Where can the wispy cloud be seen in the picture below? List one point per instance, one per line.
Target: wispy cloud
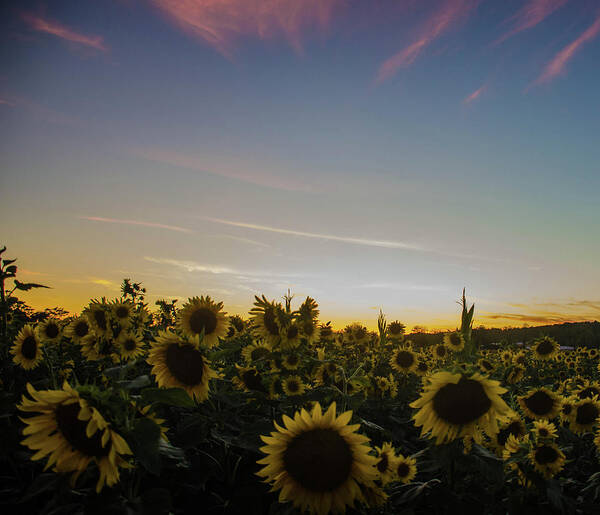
(530, 15)
(241, 171)
(475, 95)
(557, 66)
(402, 286)
(135, 222)
(56, 29)
(222, 22)
(193, 266)
(243, 240)
(330, 237)
(543, 318)
(439, 22)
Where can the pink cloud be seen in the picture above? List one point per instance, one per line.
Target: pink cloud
(221, 22)
(557, 65)
(233, 168)
(439, 22)
(475, 95)
(530, 15)
(58, 30)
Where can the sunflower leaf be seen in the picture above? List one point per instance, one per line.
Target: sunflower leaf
(171, 396)
(144, 441)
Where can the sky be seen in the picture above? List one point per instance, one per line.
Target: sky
(371, 154)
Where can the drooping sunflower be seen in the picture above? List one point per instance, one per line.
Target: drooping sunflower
(317, 461)
(545, 349)
(405, 468)
(543, 430)
(177, 363)
(78, 329)
(515, 374)
(130, 344)
(386, 456)
(540, 403)
(403, 360)
(73, 434)
(547, 459)
(27, 348)
(293, 385)
(290, 335)
(202, 317)
(97, 314)
(256, 351)
(264, 317)
(249, 379)
(584, 415)
(455, 341)
(457, 405)
(236, 326)
(307, 320)
(122, 311)
(485, 365)
(49, 330)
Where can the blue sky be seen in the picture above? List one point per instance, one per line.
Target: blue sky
(371, 155)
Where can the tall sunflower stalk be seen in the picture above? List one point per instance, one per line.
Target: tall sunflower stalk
(466, 328)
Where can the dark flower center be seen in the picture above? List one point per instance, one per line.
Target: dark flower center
(405, 359)
(540, 403)
(514, 428)
(422, 366)
(203, 319)
(320, 460)
(360, 333)
(455, 340)
(461, 403)
(292, 331)
(252, 380)
(73, 430)
(185, 363)
(130, 344)
(545, 454)
(403, 470)
(543, 432)
(122, 312)
(293, 386)
(308, 328)
(326, 331)
(106, 348)
(588, 393)
(29, 347)
(258, 353)
(52, 330)
(566, 409)
(238, 323)
(396, 328)
(586, 413)
(383, 463)
(100, 318)
(441, 351)
(545, 347)
(486, 364)
(81, 328)
(292, 360)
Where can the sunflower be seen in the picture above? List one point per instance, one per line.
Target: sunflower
(291, 361)
(514, 426)
(540, 403)
(542, 429)
(88, 348)
(456, 405)
(293, 385)
(405, 468)
(403, 360)
(318, 461)
(385, 463)
(27, 348)
(546, 348)
(485, 365)
(308, 314)
(131, 344)
(323, 377)
(97, 315)
(49, 330)
(255, 352)
(290, 335)
(73, 434)
(588, 391)
(592, 353)
(547, 459)
(441, 351)
(515, 375)
(177, 363)
(395, 330)
(236, 326)
(422, 367)
(372, 496)
(455, 341)
(326, 334)
(249, 379)
(202, 318)
(122, 310)
(264, 319)
(566, 408)
(78, 329)
(584, 415)
(520, 359)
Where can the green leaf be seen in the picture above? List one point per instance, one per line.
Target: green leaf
(138, 382)
(145, 439)
(6, 262)
(171, 396)
(27, 286)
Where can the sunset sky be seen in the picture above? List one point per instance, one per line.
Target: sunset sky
(370, 154)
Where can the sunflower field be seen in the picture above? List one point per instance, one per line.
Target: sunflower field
(186, 409)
